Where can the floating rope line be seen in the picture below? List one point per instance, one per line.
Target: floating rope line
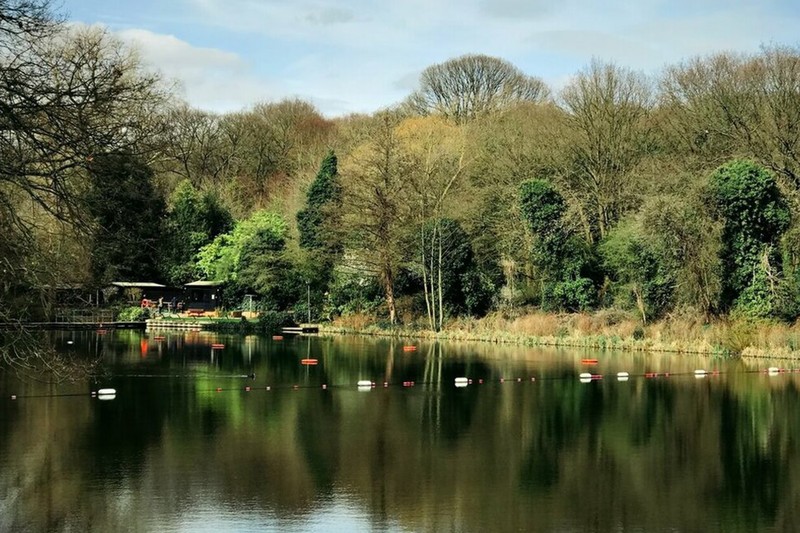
(460, 382)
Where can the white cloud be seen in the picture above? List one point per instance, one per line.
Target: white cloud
(360, 55)
(212, 79)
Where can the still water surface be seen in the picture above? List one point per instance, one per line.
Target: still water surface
(172, 453)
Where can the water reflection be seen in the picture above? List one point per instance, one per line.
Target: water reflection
(509, 454)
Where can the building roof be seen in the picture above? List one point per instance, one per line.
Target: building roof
(204, 284)
(137, 285)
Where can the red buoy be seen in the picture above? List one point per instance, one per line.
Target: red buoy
(217, 346)
(409, 348)
(588, 361)
(308, 361)
(277, 337)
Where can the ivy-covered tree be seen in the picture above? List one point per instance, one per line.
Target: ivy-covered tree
(128, 214)
(193, 220)
(563, 260)
(754, 214)
(640, 266)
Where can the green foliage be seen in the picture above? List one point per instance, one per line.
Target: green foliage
(220, 259)
(543, 207)
(686, 244)
(564, 261)
(193, 221)
(746, 198)
(478, 290)
(265, 270)
(252, 259)
(352, 293)
(128, 213)
(134, 314)
(322, 202)
(640, 265)
(272, 321)
(575, 294)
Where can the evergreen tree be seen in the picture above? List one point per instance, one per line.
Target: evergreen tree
(318, 225)
(322, 202)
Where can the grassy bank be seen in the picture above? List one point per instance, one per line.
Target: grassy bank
(606, 330)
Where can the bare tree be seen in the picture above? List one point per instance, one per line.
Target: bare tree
(747, 104)
(67, 95)
(607, 106)
(375, 210)
(469, 86)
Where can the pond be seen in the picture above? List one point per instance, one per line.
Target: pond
(246, 438)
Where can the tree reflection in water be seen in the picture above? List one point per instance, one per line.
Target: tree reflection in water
(554, 454)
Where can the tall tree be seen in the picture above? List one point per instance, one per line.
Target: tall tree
(67, 96)
(318, 224)
(563, 260)
(437, 152)
(754, 213)
(606, 107)
(727, 104)
(193, 220)
(470, 86)
(375, 209)
(128, 215)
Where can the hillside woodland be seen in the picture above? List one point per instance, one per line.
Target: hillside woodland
(484, 192)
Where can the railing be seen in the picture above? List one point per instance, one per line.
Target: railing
(95, 316)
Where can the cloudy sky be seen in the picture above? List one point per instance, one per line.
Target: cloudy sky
(360, 55)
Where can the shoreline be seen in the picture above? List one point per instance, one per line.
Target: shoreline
(722, 338)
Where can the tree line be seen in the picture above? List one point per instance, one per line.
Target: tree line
(483, 190)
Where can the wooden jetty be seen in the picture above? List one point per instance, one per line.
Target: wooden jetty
(181, 325)
(301, 329)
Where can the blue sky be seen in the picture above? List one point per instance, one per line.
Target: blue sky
(361, 55)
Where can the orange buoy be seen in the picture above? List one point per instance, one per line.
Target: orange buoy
(588, 361)
(308, 361)
(217, 346)
(410, 348)
(277, 337)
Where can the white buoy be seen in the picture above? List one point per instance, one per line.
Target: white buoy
(365, 385)
(106, 391)
(69, 342)
(773, 371)
(462, 382)
(586, 380)
(700, 373)
(585, 375)
(105, 397)
(622, 376)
